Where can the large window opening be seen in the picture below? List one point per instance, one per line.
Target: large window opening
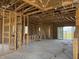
(66, 33)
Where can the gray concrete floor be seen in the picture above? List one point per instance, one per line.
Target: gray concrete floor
(39, 50)
(4, 49)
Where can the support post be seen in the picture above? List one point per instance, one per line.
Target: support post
(15, 39)
(76, 40)
(20, 33)
(9, 29)
(24, 40)
(3, 29)
(27, 30)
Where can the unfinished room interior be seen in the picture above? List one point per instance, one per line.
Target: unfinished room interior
(39, 29)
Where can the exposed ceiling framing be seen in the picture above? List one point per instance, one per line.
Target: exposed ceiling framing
(47, 10)
(60, 15)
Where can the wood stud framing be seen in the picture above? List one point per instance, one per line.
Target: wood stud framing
(3, 30)
(20, 6)
(19, 30)
(27, 9)
(8, 17)
(15, 39)
(76, 37)
(24, 29)
(9, 29)
(15, 14)
(28, 40)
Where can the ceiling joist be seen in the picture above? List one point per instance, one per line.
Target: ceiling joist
(47, 3)
(32, 3)
(19, 7)
(73, 19)
(67, 18)
(28, 9)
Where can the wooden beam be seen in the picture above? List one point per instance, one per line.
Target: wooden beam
(11, 4)
(66, 2)
(49, 8)
(42, 3)
(20, 6)
(47, 3)
(27, 9)
(68, 19)
(33, 3)
(33, 12)
(73, 19)
(40, 11)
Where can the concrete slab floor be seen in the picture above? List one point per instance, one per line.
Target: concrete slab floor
(45, 49)
(4, 49)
